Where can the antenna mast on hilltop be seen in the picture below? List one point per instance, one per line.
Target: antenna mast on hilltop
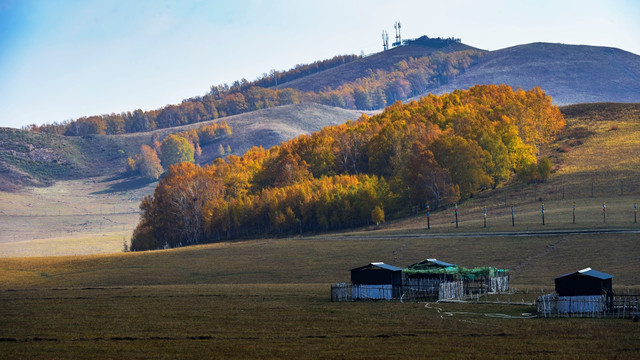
(397, 26)
(385, 40)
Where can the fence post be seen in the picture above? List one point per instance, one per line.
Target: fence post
(456, 212)
(485, 215)
(428, 222)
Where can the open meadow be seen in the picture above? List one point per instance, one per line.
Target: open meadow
(72, 217)
(271, 299)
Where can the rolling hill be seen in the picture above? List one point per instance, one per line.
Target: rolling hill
(334, 77)
(38, 159)
(571, 74)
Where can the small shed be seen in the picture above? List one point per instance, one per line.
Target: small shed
(583, 283)
(376, 273)
(376, 280)
(585, 291)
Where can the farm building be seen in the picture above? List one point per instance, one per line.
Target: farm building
(585, 282)
(447, 281)
(585, 291)
(376, 280)
(428, 280)
(433, 279)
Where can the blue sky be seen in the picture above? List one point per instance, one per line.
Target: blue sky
(62, 59)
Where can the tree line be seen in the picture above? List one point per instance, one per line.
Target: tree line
(437, 151)
(374, 91)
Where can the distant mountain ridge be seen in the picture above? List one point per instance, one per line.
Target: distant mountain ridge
(571, 74)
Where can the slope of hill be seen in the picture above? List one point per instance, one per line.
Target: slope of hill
(334, 77)
(571, 74)
(38, 159)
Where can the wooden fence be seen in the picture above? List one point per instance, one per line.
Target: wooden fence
(615, 306)
(341, 292)
(441, 291)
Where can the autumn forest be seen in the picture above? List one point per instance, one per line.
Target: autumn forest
(437, 151)
(408, 77)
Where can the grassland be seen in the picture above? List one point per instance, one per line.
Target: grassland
(269, 298)
(286, 321)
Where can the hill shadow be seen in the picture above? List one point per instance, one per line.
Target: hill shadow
(127, 184)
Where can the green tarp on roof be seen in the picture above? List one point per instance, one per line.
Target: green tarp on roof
(455, 271)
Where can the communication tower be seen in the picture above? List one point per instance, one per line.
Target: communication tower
(397, 26)
(385, 40)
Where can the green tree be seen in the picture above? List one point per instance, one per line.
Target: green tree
(176, 149)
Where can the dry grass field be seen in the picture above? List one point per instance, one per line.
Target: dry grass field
(286, 321)
(271, 299)
(73, 217)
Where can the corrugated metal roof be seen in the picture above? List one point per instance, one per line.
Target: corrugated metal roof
(440, 263)
(589, 272)
(386, 266)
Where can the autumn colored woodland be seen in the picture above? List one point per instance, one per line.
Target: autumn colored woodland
(437, 151)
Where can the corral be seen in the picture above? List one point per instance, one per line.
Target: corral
(428, 280)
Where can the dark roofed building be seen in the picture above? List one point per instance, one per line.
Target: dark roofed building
(377, 273)
(376, 281)
(585, 291)
(584, 282)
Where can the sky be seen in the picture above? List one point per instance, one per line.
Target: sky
(63, 59)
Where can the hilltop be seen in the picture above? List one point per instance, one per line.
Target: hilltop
(385, 60)
(571, 74)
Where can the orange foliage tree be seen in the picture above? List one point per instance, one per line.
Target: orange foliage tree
(436, 151)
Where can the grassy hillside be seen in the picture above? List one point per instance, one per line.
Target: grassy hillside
(571, 74)
(40, 159)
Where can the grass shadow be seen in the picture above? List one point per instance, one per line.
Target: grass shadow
(127, 184)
